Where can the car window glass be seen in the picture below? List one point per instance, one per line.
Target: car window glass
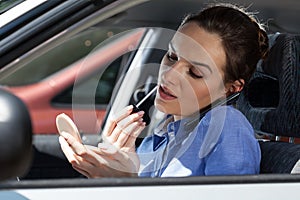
(7, 4)
(104, 81)
(58, 58)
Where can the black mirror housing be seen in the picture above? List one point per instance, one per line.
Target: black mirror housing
(15, 136)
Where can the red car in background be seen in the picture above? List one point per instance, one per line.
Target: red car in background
(63, 79)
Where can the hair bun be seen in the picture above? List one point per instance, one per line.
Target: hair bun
(263, 43)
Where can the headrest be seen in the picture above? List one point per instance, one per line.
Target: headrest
(271, 101)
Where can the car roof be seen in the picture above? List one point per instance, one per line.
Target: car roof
(277, 15)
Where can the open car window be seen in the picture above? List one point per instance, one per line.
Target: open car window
(128, 76)
(58, 57)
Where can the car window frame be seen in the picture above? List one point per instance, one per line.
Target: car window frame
(202, 181)
(17, 9)
(12, 53)
(59, 20)
(208, 187)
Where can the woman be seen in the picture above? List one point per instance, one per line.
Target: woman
(211, 57)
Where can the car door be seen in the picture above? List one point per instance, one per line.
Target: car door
(81, 57)
(68, 183)
(39, 21)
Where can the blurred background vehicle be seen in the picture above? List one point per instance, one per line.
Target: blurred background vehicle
(46, 83)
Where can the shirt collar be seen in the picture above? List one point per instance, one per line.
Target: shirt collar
(183, 127)
(180, 129)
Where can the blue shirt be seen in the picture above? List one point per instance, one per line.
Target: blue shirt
(221, 143)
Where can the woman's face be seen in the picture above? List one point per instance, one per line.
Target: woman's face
(191, 73)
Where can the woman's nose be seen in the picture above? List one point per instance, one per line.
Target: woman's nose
(173, 73)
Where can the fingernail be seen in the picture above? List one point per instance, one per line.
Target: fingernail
(102, 146)
(130, 107)
(61, 140)
(141, 113)
(64, 134)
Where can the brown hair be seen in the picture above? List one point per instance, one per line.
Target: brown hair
(243, 38)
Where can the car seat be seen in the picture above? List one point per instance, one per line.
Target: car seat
(271, 102)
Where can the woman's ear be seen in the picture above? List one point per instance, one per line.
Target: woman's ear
(236, 86)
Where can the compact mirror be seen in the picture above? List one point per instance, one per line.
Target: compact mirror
(65, 124)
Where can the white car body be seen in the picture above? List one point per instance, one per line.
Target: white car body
(262, 186)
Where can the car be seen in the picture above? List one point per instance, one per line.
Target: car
(49, 175)
(45, 82)
(45, 85)
(49, 79)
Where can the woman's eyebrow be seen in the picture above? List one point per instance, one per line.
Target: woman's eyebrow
(192, 62)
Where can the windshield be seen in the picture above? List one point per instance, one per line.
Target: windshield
(58, 57)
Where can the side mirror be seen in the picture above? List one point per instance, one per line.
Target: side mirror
(15, 136)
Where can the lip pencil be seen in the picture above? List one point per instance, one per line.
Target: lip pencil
(146, 97)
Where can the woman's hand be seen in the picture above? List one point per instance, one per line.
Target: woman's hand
(115, 157)
(102, 161)
(123, 129)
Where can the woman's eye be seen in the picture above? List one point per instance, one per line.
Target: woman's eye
(172, 57)
(195, 74)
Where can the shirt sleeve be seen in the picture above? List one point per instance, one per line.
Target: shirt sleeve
(237, 151)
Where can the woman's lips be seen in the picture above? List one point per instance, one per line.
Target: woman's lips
(165, 93)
